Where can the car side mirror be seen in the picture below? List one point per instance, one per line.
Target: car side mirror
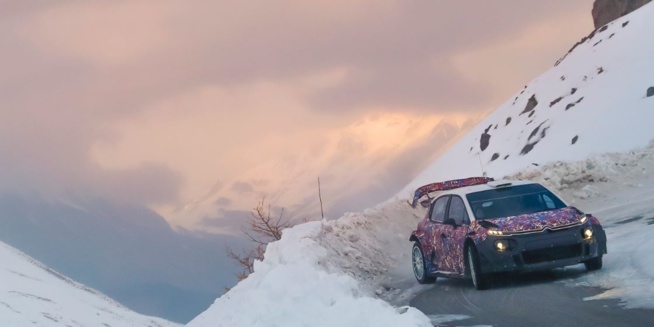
(425, 203)
(449, 221)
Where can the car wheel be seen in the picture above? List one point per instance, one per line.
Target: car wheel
(594, 263)
(479, 280)
(419, 267)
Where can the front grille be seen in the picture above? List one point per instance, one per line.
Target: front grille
(546, 229)
(551, 254)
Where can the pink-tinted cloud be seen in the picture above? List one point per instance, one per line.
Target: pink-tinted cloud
(168, 99)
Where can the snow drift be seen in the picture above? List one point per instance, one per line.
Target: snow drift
(326, 273)
(594, 101)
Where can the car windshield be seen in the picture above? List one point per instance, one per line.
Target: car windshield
(512, 201)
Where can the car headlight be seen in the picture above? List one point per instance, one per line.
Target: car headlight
(583, 219)
(501, 245)
(494, 232)
(587, 233)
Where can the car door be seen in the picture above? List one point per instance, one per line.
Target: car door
(453, 236)
(436, 217)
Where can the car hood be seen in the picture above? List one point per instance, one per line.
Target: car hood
(552, 219)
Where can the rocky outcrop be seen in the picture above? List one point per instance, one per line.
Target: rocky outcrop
(531, 105)
(606, 11)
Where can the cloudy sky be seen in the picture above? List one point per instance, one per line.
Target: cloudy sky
(199, 109)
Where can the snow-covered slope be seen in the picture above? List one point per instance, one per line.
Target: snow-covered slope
(593, 101)
(32, 294)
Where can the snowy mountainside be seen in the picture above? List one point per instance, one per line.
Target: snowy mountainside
(32, 294)
(594, 100)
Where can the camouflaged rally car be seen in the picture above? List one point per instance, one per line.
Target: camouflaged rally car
(478, 226)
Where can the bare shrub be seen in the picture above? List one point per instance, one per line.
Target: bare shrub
(262, 228)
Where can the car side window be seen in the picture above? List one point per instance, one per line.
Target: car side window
(458, 211)
(438, 210)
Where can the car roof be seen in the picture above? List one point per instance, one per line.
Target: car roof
(462, 191)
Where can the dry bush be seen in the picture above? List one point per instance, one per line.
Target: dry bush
(262, 228)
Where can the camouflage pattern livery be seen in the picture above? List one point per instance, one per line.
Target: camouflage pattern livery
(447, 185)
(541, 240)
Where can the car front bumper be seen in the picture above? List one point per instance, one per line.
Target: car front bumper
(541, 250)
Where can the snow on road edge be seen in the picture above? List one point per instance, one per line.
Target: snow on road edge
(321, 274)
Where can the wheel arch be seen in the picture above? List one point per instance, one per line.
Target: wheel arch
(414, 238)
(427, 277)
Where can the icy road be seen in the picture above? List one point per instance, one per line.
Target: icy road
(539, 299)
(620, 294)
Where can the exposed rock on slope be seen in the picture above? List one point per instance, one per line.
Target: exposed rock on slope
(606, 11)
(600, 105)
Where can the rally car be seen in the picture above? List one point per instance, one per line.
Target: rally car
(477, 226)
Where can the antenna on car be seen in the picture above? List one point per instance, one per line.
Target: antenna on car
(483, 172)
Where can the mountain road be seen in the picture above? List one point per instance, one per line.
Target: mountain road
(535, 299)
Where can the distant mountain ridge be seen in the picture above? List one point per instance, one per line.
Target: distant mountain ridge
(128, 252)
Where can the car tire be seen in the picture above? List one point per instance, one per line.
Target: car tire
(479, 279)
(594, 263)
(418, 265)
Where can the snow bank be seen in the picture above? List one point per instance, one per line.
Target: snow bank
(579, 180)
(325, 274)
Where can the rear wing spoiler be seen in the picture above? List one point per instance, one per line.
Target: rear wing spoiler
(447, 185)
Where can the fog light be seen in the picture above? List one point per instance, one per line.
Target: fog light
(587, 233)
(501, 245)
